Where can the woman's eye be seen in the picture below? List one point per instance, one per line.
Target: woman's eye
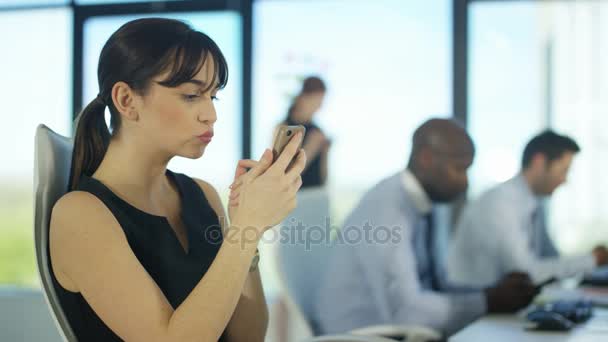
(214, 98)
(191, 97)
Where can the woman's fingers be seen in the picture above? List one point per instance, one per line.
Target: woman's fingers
(280, 165)
(234, 195)
(261, 166)
(236, 185)
(248, 168)
(241, 168)
(296, 184)
(298, 167)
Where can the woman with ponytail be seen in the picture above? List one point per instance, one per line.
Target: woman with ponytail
(140, 253)
(316, 144)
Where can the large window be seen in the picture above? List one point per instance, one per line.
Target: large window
(218, 163)
(578, 33)
(99, 2)
(506, 87)
(535, 65)
(28, 3)
(387, 65)
(36, 86)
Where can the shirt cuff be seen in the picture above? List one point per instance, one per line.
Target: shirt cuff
(466, 308)
(478, 300)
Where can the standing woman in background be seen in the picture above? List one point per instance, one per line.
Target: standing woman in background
(316, 144)
(140, 253)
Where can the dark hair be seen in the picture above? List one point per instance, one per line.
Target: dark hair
(136, 53)
(549, 144)
(310, 85)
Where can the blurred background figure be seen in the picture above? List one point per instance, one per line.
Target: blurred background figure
(393, 275)
(313, 199)
(316, 143)
(505, 229)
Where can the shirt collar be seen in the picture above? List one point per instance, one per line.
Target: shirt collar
(530, 200)
(416, 192)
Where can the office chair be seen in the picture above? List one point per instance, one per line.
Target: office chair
(301, 266)
(53, 155)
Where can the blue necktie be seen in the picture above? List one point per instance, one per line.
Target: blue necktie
(430, 251)
(541, 243)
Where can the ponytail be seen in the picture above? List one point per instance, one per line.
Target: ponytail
(90, 141)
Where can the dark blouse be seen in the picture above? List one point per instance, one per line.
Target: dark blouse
(311, 177)
(157, 248)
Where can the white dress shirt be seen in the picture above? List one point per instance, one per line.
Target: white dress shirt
(389, 282)
(416, 193)
(502, 231)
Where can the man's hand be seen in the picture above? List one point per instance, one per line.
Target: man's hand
(601, 255)
(514, 292)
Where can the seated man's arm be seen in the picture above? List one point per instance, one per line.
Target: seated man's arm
(390, 270)
(516, 254)
(411, 304)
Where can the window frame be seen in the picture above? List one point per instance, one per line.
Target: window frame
(82, 13)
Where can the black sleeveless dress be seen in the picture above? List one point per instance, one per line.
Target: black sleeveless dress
(156, 247)
(311, 177)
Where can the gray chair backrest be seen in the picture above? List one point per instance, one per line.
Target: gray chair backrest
(301, 262)
(53, 155)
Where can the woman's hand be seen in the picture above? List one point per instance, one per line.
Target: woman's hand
(263, 196)
(241, 168)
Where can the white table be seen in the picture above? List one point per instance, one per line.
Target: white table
(513, 327)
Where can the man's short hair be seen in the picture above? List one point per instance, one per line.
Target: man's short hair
(551, 145)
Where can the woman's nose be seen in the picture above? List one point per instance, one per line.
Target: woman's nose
(207, 115)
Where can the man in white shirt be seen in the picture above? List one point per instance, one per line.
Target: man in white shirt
(398, 280)
(504, 230)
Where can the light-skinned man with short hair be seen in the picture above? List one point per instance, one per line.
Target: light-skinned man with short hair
(400, 281)
(505, 229)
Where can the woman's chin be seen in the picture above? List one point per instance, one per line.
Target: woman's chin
(193, 154)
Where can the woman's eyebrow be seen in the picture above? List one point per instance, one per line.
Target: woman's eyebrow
(203, 85)
(199, 83)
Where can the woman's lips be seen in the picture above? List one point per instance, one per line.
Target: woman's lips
(206, 138)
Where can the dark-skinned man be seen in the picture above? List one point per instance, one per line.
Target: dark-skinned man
(398, 280)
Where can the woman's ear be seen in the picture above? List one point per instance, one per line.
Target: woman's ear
(125, 100)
